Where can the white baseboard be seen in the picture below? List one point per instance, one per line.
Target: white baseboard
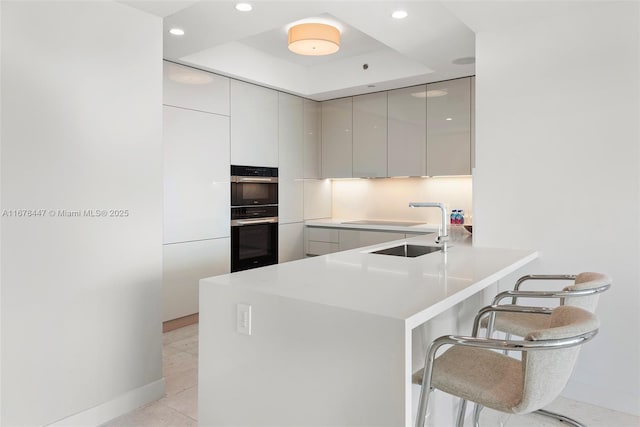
(121, 405)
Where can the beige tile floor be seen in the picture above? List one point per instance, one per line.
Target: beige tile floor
(179, 408)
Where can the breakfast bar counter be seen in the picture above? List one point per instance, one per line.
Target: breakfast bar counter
(333, 340)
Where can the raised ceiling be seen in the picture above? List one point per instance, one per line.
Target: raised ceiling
(252, 46)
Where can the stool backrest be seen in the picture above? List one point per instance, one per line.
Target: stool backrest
(546, 372)
(587, 280)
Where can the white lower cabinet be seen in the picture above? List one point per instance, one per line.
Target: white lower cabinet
(321, 241)
(184, 264)
(351, 239)
(290, 242)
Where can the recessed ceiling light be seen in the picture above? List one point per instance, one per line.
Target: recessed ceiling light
(448, 119)
(244, 7)
(399, 14)
(177, 31)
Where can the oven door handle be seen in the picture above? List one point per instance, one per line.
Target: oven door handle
(241, 222)
(256, 179)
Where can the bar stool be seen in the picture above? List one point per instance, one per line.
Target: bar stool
(584, 293)
(471, 370)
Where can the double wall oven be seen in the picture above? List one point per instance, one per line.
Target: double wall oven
(254, 217)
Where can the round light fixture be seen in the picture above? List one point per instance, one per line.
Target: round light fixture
(176, 31)
(399, 14)
(244, 7)
(314, 39)
(448, 119)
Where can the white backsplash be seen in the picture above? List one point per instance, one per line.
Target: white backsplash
(389, 198)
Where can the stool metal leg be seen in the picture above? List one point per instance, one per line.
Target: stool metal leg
(476, 414)
(462, 409)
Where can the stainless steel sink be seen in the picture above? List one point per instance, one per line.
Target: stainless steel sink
(408, 251)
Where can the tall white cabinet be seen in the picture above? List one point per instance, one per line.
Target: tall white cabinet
(291, 158)
(254, 125)
(407, 131)
(196, 184)
(449, 128)
(291, 149)
(337, 138)
(312, 129)
(370, 135)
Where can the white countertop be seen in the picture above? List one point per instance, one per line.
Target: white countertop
(410, 289)
(380, 225)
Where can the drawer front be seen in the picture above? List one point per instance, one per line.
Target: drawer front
(322, 248)
(323, 234)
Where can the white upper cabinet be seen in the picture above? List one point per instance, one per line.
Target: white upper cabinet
(337, 142)
(449, 128)
(189, 88)
(254, 125)
(312, 139)
(370, 135)
(196, 175)
(407, 131)
(291, 158)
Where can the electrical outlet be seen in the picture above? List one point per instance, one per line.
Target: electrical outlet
(243, 319)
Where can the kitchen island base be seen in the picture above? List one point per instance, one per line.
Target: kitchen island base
(325, 352)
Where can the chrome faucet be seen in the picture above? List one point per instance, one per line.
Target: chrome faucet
(443, 237)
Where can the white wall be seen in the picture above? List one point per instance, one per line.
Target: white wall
(82, 122)
(557, 169)
(389, 198)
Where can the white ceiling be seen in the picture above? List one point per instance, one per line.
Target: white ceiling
(252, 46)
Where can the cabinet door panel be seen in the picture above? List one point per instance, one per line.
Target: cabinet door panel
(449, 128)
(196, 175)
(312, 139)
(370, 135)
(291, 158)
(254, 125)
(337, 142)
(407, 127)
(195, 89)
(290, 242)
(184, 264)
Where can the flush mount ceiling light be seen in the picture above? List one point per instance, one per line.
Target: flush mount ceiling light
(399, 14)
(244, 7)
(314, 39)
(176, 31)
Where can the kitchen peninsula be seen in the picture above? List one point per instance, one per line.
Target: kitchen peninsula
(332, 340)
